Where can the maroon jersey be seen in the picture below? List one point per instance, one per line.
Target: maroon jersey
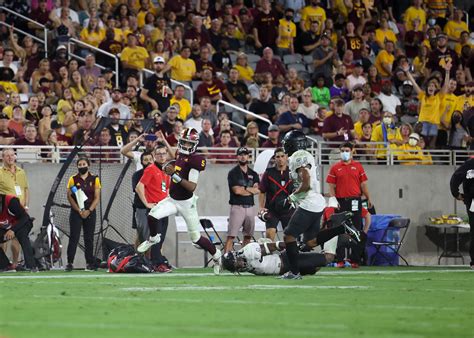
(183, 165)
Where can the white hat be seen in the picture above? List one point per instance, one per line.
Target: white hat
(158, 59)
(415, 136)
(332, 202)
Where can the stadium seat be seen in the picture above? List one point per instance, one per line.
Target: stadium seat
(308, 59)
(292, 58)
(195, 84)
(392, 243)
(253, 58)
(298, 66)
(233, 58)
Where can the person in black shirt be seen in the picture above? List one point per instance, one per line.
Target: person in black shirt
(465, 175)
(263, 107)
(237, 88)
(441, 56)
(117, 131)
(275, 187)
(221, 59)
(243, 185)
(157, 89)
(309, 40)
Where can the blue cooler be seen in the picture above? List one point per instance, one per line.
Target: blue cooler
(376, 231)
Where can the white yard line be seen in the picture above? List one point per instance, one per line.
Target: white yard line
(231, 288)
(205, 274)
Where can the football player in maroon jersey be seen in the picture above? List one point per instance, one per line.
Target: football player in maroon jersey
(184, 174)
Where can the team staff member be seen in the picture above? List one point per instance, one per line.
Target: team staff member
(465, 175)
(86, 218)
(275, 187)
(243, 185)
(13, 181)
(15, 223)
(348, 182)
(153, 188)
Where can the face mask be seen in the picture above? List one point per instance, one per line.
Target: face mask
(83, 170)
(345, 156)
(456, 119)
(387, 120)
(431, 22)
(289, 17)
(412, 142)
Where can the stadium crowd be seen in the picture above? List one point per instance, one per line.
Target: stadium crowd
(339, 70)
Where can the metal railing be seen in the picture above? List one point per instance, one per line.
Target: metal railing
(98, 50)
(242, 110)
(189, 91)
(34, 37)
(245, 128)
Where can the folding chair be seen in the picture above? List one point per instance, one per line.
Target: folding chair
(206, 225)
(397, 224)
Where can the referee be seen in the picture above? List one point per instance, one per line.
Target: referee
(465, 175)
(348, 182)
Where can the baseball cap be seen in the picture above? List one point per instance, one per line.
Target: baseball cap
(61, 47)
(358, 64)
(442, 35)
(4, 116)
(415, 136)
(242, 150)
(407, 83)
(273, 127)
(55, 124)
(159, 59)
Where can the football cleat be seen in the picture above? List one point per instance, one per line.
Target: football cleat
(69, 267)
(162, 268)
(340, 265)
(145, 246)
(351, 231)
(290, 275)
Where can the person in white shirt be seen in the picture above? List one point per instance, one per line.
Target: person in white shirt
(124, 110)
(308, 108)
(72, 13)
(356, 78)
(195, 119)
(390, 102)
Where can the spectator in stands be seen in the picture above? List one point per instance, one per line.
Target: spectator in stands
(237, 88)
(338, 127)
(286, 33)
(316, 125)
(353, 107)
(133, 57)
(179, 99)
(270, 64)
(208, 110)
(71, 117)
(440, 56)
(413, 38)
(265, 28)
(364, 116)
(172, 138)
(456, 26)
(42, 71)
(112, 43)
(246, 73)
(204, 62)
(32, 113)
(224, 124)
(310, 39)
(388, 134)
(376, 113)
(264, 108)
(251, 132)
(292, 119)
(194, 119)
(324, 57)
(222, 58)
(61, 138)
(384, 33)
(356, 77)
(117, 131)
(464, 42)
(409, 104)
(321, 95)
(213, 88)
(63, 81)
(243, 185)
(72, 14)
(307, 107)
(7, 135)
(93, 34)
(41, 15)
(459, 136)
(223, 156)
(78, 86)
(85, 217)
(310, 13)
(273, 140)
(157, 89)
(405, 131)
(182, 67)
(390, 102)
(385, 59)
(12, 102)
(197, 33)
(44, 125)
(410, 153)
(116, 97)
(90, 72)
(7, 61)
(206, 138)
(339, 88)
(13, 181)
(30, 138)
(17, 122)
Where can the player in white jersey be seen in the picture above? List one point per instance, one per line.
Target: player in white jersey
(269, 258)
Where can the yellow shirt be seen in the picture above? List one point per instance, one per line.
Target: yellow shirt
(182, 69)
(287, 32)
(184, 107)
(464, 103)
(310, 13)
(60, 109)
(383, 57)
(340, 6)
(157, 34)
(78, 93)
(446, 109)
(14, 183)
(136, 57)
(358, 129)
(418, 65)
(119, 37)
(381, 36)
(408, 155)
(245, 73)
(377, 136)
(412, 13)
(9, 87)
(9, 111)
(141, 15)
(458, 47)
(92, 38)
(454, 29)
(429, 108)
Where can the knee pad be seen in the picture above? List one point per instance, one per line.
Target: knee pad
(194, 235)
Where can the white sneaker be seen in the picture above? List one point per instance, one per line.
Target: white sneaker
(145, 246)
(217, 262)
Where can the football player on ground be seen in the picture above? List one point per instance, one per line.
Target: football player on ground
(307, 200)
(184, 174)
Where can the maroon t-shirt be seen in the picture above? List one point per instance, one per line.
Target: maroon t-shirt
(213, 89)
(333, 123)
(183, 165)
(267, 27)
(202, 65)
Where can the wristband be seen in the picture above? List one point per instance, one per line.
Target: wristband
(278, 245)
(267, 250)
(176, 179)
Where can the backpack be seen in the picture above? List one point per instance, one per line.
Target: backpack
(124, 259)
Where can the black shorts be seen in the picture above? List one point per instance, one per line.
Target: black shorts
(308, 262)
(284, 218)
(304, 222)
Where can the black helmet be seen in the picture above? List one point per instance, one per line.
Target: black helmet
(294, 140)
(228, 261)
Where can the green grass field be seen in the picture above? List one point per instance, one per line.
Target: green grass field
(368, 302)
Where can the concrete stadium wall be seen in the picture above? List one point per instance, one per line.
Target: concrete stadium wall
(415, 192)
